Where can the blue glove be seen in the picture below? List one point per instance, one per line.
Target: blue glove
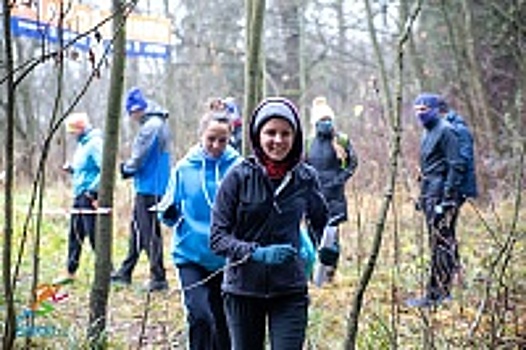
(329, 255)
(125, 173)
(274, 254)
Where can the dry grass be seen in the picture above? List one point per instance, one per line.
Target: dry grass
(385, 321)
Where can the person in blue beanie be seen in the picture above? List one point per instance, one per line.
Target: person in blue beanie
(85, 172)
(441, 169)
(149, 166)
(256, 220)
(187, 206)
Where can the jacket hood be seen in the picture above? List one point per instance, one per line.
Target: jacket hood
(276, 107)
(89, 134)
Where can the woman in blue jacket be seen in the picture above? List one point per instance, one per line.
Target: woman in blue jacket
(188, 203)
(256, 225)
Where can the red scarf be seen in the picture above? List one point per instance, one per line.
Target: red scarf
(275, 170)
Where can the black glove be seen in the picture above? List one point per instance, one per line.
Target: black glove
(329, 255)
(125, 174)
(170, 213)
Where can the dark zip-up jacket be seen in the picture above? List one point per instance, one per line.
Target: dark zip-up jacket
(250, 211)
(440, 162)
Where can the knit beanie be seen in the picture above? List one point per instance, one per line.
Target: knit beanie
(276, 107)
(320, 109)
(428, 99)
(135, 101)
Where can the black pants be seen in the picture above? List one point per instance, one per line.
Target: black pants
(145, 234)
(205, 315)
(247, 320)
(444, 247)
(80, 226)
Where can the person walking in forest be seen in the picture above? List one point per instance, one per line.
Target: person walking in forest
(331, 153)
(441, 169)
(256, 225)
(85, 171)
(187, 206)
(468, 184)
(149, 166)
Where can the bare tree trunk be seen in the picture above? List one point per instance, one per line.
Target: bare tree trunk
(253, 70)
(491, 129)
(289, 15)
(396, 131)
(104, 238)
(9, 323)
(416, 62)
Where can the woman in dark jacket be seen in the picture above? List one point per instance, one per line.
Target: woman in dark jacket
(330, 152)
(256, 225)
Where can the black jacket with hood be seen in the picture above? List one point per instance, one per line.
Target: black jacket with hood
(250, 211)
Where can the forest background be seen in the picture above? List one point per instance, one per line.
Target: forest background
(370, 59)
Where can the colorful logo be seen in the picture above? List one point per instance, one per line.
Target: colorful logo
(46, 296)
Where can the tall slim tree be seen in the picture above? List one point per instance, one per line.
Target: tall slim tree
(290, 12)
(253, 69)
(9, 324)
(104, 236)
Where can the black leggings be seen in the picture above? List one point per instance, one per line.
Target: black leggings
(248, 316)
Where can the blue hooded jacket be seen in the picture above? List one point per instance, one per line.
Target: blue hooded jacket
(150, 159)
(191, 191)
(87, 161)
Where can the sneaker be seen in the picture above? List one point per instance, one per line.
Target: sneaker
(426, 301)
(118, 279)
(156, 286)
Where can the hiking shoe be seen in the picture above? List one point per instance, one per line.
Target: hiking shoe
(156, 286)
(118, 279)
(426, 301)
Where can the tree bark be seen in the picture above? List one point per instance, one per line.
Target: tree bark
(253, 68)
(395, 149)
(482, 107)
(10, 322)
(104, 235)
(289, 16)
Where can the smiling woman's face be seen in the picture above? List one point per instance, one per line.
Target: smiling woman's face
(215, 137)
(276, 137)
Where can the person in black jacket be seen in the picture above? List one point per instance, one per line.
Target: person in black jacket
(441, 169)
(256, 225)
(331, 153)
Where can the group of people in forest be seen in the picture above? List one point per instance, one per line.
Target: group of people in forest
(237, 220)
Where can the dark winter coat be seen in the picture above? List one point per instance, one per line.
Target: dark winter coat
(333, 175)
(252, 210)
(440, 163)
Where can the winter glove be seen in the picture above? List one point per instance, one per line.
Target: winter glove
(169, 216)
(125, 173)
(274, 254)
(329, 255)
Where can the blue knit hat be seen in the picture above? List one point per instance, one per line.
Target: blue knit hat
(135, 101)
(427, 99)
